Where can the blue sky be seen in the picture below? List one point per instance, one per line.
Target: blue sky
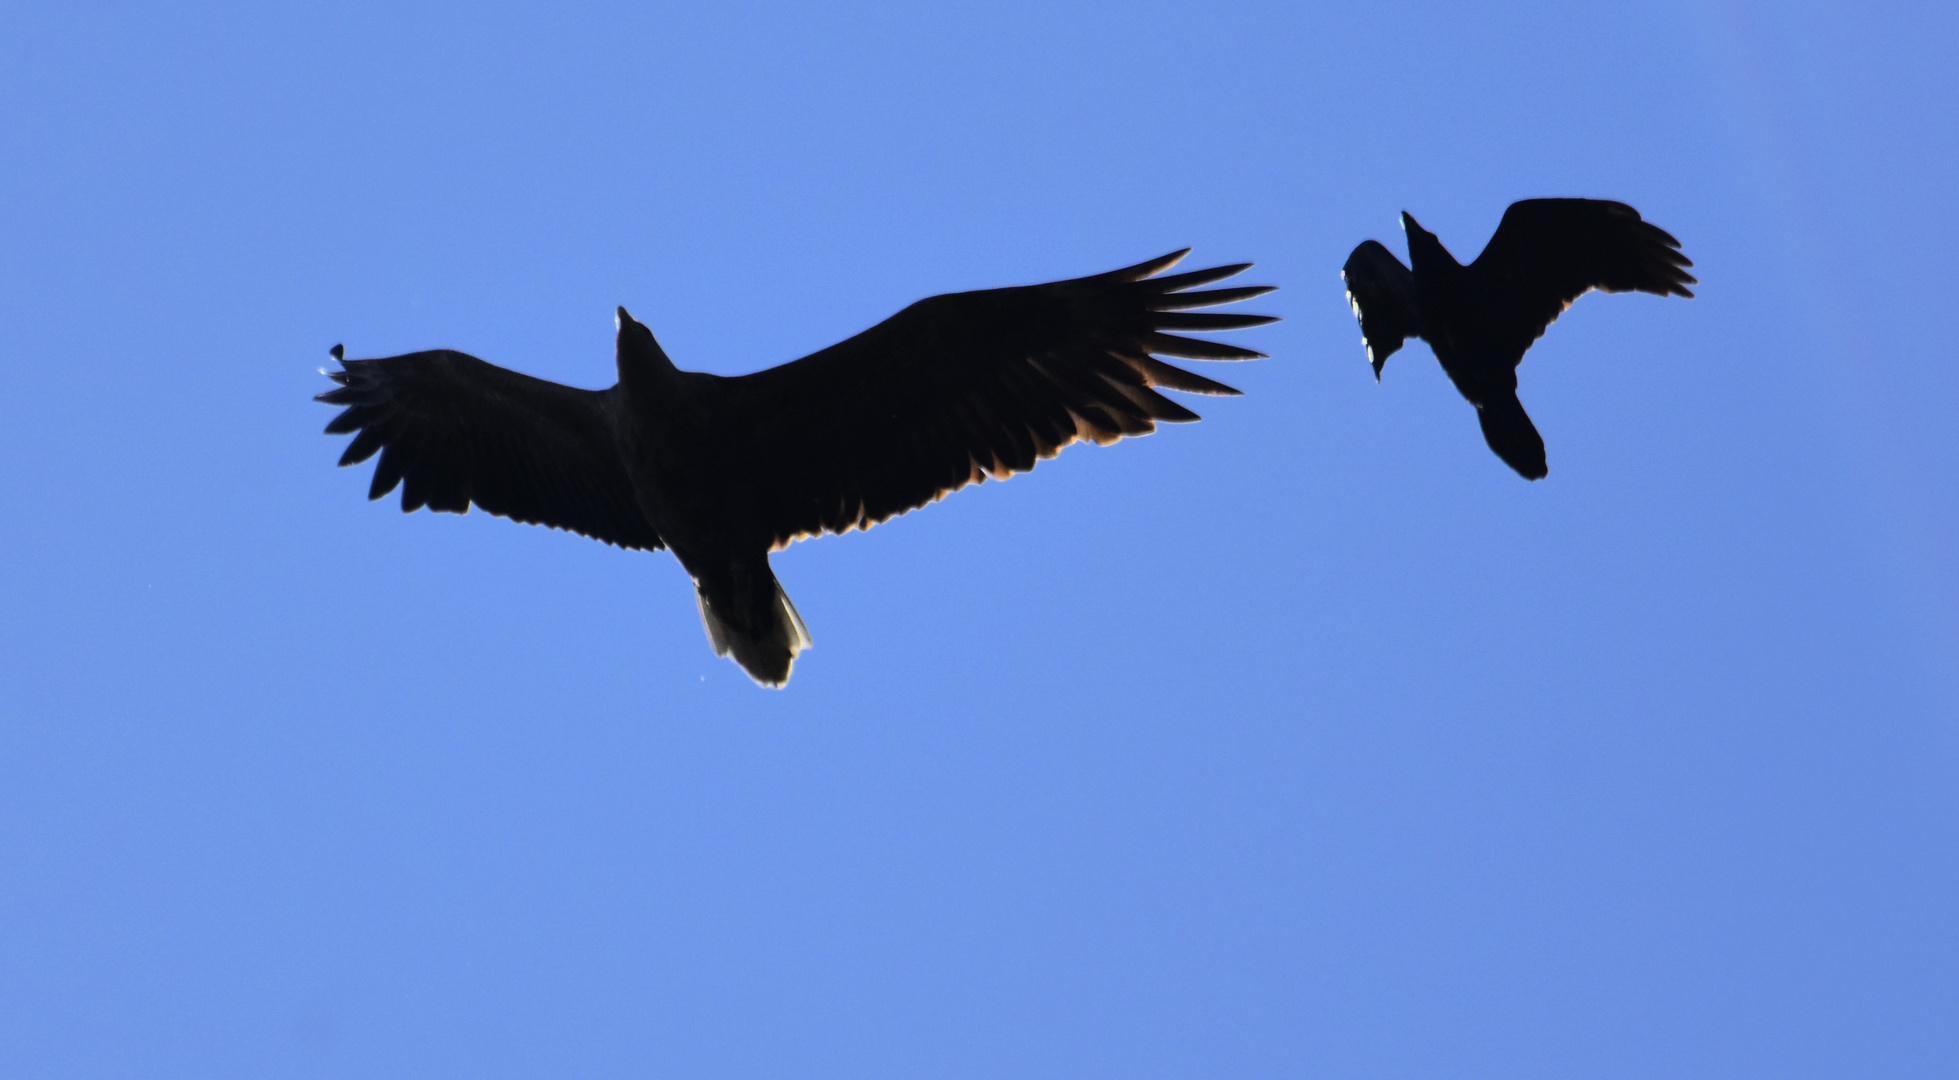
(1304, 741)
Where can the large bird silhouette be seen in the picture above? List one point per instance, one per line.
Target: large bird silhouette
(1481, 318)
(722, 471)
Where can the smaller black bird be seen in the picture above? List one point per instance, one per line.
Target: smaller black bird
(1481, 318)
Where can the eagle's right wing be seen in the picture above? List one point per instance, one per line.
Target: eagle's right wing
(453, 430)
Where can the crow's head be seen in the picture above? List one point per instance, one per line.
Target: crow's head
(1424, 250)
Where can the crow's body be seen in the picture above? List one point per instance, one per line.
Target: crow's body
(724, 470)
(1480, 319)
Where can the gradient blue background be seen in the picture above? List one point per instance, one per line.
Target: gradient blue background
(1306, 741)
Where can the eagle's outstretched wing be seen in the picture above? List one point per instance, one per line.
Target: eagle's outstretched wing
(963, 386)
(453, 430)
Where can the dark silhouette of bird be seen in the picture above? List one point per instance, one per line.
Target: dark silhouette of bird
(1481, 318)
(724, 470)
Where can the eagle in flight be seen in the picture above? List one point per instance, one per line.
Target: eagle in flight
(1480, 319)
(724, 470)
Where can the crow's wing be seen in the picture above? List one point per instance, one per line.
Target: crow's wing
(1548, 252)
(963, 386)
(1382, 293)
(453, 430)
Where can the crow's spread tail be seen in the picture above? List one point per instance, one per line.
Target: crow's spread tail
(1508, 430)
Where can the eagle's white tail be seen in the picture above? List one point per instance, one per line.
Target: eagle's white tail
(766, 651)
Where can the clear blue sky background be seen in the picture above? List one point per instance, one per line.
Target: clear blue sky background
(1305, 741)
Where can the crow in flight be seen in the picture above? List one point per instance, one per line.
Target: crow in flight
(1481, 318)
(722, 471)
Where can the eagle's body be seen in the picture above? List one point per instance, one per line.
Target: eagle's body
(1481, 318)
(723, 470)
